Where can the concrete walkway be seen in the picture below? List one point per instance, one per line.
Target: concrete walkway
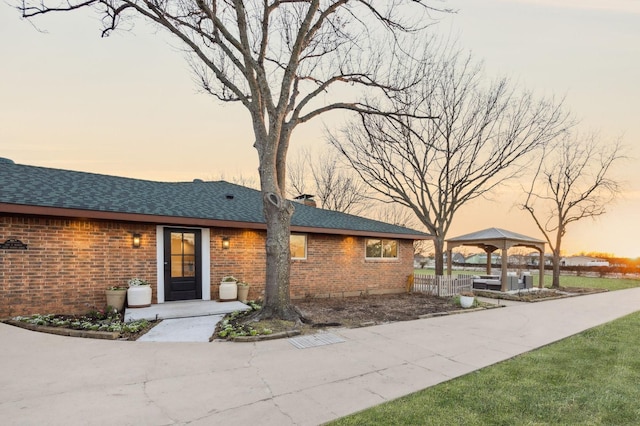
(46, 379)
(186, 321)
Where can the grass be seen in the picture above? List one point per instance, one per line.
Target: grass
(610, 284)
(592, 282)
(588, 379)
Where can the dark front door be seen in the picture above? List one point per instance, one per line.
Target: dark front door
(182, 264)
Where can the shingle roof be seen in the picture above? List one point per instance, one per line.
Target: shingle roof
(495, 238)
(218, 200)
(495, 234)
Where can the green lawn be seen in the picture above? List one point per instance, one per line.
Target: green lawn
(565, 280)
(588, 379)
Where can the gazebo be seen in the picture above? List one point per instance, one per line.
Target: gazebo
(493, 239)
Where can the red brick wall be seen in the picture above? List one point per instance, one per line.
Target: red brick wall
(245, 259)
(69, 264)
(335, 265)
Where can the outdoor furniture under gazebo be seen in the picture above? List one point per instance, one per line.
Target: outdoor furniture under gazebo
(493, 239)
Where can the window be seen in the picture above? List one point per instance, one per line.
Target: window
(183, 254)
(379, 248)
(298, 246)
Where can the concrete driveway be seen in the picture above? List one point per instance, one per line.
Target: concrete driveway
(54, 380)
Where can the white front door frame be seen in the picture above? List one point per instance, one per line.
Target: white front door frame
(205, 261)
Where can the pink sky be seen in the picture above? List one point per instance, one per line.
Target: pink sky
(127, 105)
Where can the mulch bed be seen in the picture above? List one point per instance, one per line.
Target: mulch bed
(377, 309)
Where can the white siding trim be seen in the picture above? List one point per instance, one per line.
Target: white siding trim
(205, 261)
(160, 262)
(206, 264)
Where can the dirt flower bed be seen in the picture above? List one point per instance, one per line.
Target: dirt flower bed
(348, 312)
(354, 311)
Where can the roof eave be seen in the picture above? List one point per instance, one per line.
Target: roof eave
(334, 231)
(124, 217)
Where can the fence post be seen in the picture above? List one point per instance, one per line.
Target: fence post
(410, 281)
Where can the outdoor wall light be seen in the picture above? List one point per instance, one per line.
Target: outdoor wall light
(226, 243)
(136, 240)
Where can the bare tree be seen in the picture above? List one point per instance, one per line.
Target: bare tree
(571, 184)
(483, 136)
(298, 175)
(335, 187)
(286, 62)
(396, 214)
(240, 179)
(423, 247)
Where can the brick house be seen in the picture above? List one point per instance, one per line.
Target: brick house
(65, 236)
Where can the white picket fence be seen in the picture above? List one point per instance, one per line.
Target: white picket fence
(441, 286)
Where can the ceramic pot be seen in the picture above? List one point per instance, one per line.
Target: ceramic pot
(115, 298)
(139, 296)
(228, 290)
(243, 293)
(466, 301)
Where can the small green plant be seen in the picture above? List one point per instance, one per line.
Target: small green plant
(229, 279)
(135, 282)
(95, 320)
(255, 306)
(232, 326)
(116, 287)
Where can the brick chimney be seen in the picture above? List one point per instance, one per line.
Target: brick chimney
(305, 199)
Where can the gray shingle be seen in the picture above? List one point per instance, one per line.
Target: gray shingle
(218, 200)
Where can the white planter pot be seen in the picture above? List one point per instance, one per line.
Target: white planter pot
(228, 290)
(139, 296)
(466, 301)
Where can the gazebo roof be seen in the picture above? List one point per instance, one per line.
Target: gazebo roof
(495, 238)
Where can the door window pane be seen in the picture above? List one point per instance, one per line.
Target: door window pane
(176, 243)
(189, 243)
(183, 260)
(189, 266)
(176, 266)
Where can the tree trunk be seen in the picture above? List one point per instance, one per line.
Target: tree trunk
(277, 302)
(438, 246)
(277, 212)
(555, 283)
(556, 269)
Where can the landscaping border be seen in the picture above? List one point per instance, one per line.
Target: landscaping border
(61, 331)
